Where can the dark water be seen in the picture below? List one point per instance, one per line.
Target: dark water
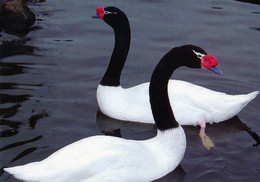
(49, 78)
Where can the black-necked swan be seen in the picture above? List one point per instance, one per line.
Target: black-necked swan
(107, 158)
(191, 104)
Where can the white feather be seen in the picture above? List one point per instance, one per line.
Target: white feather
(190, 103)
(105, 158)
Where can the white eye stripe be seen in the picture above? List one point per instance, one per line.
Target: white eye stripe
(108, 12)
(199, 55)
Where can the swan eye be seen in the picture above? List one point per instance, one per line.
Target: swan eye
(198, 54)
(109, 13)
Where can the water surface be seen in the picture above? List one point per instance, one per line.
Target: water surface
(49, 79)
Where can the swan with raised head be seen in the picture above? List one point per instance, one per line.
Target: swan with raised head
(191, 104)
(107, 158)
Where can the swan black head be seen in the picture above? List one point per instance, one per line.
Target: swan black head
(194, 57)
(113, 16)
(188, 55)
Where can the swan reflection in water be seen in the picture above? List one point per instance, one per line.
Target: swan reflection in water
(216, 132)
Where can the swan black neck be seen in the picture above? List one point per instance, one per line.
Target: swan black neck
(160, 104)
(121, 29)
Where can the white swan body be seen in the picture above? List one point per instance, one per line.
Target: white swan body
(191, 104)
(105, 158)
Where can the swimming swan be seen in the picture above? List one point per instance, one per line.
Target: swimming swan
(107, 158)
(191, 104)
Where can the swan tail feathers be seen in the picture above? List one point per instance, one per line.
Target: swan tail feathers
(253, 95)
(237, 103)
(24, 173)
(16, 172)
(248, 98)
